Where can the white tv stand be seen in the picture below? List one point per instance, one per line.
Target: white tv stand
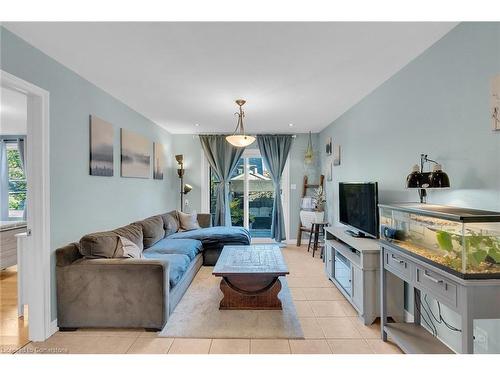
(357, 274)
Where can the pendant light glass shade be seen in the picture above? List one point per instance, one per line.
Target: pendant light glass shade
(239, 138)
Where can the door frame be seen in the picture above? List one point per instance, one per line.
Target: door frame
(285, 186)
(37, 172)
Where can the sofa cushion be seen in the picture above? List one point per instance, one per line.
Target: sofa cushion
(108, 244)
(188, 247)
(188, 221)
(170, 222)
(152, 230)
(133, 232)
(216, 235)
(178, 264)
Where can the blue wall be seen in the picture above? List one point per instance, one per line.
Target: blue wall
(81, 203)
(438, 104)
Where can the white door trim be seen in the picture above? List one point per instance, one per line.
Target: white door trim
(38, 205)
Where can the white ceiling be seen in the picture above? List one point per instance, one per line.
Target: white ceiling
(13, 112)
(182, 74)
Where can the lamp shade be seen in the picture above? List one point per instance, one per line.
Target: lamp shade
(187, 188)
(241, 140)
(438, 179)
(414, 179)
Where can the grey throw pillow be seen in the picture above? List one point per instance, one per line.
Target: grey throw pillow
(188, 221)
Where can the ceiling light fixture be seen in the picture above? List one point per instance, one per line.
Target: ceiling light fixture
(290, 125)
(239, 138)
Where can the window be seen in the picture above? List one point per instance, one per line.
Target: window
(17, 182)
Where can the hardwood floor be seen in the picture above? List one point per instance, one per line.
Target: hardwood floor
(13, 330)
(328, 321)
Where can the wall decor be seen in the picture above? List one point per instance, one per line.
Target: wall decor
(135, 155)
(329, 172)
(495, 102)
(328, 146)
(101, 135)
(159, 161)
(336, 155)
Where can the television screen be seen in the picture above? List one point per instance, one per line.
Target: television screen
(358, 206)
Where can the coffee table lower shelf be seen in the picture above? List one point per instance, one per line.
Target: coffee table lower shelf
(414, 339)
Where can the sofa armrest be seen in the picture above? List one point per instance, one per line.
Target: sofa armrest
(205, 220)
(113, 293)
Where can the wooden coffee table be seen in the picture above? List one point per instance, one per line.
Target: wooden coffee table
(250, 277)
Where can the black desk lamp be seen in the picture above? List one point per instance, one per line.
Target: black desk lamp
(418, 179)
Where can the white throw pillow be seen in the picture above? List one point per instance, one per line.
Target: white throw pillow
(188, 221)
(130, 249)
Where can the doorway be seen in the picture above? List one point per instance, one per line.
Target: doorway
(29, 195)
(252, 195)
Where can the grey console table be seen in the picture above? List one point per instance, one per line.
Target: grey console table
(472, 299)
(353, 265)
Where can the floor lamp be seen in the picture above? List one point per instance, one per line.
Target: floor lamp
(184, 188)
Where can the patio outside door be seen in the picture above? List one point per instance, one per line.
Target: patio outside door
(251, 194)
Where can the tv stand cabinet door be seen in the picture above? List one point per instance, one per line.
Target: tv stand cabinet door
(357, 287)
(329, 264)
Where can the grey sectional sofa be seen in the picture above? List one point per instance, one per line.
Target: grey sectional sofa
(101, 284)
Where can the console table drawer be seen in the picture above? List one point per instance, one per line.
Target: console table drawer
(398, 265)
(437, 285)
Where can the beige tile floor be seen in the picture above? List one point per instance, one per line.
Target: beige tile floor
(329, 323)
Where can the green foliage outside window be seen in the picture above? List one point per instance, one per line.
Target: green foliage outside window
(17, 180)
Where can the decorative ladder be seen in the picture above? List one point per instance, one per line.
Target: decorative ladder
(305, 186)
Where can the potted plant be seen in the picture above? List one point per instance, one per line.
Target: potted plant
(319, 199)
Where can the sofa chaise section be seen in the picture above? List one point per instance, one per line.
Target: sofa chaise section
(214, 239)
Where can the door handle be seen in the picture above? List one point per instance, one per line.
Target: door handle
(28, 232)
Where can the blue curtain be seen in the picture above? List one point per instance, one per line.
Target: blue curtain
(4, 182)
(223, 158)
(274, 150)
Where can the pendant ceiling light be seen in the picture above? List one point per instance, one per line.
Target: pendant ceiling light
(239, 138)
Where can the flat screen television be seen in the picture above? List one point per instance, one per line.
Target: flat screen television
(358, 208)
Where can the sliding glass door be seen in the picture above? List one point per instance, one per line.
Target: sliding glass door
(251, 194)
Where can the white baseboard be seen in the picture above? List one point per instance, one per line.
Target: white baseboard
(53, 327)
(409, 318)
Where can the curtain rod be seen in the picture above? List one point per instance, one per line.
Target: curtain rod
(198, 135)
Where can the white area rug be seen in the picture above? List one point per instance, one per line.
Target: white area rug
(197, 315)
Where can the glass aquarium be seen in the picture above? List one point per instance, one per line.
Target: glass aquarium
(463, 241)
